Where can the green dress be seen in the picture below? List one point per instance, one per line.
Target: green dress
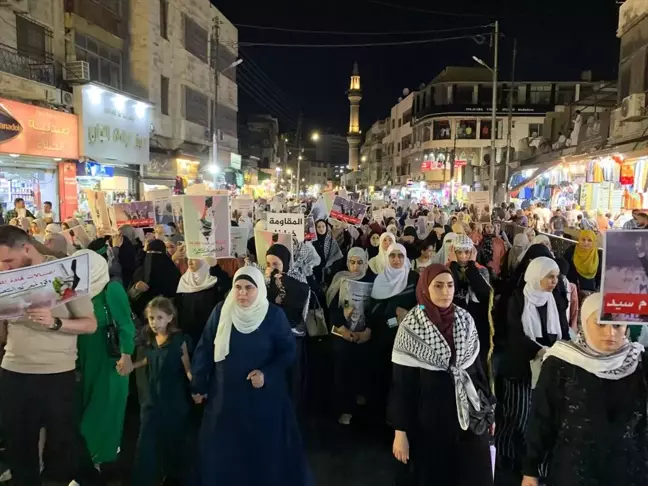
(104, 391)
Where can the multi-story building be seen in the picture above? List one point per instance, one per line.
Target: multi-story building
(183, 58)
(397, 143)
(371, 156)
(451, 119)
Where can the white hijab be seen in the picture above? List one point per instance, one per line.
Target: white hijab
(192, 282)
(535, 297)
(99, 276)
(441, 256)
(378, 263)
(245, 320)
(393, 280)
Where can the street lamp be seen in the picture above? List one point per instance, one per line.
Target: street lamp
(315, 136)
(493, 70)
(213, 169)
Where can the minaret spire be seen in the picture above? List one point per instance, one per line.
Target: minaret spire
(353, 136)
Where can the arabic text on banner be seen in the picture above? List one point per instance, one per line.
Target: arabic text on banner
(47, 285)
(99, 210)
(239, 237)
(290, 223)
(348, 211)
(162, 206)
(265, 239)
(624, 282)
(138, 214)
(355, 297)
(207, 226)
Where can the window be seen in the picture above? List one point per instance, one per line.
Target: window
(406, 142)
(32, 39)
(467, 129)
(463, 95)
(540, 94)
(407, 117)
(535, 129)
(195, 38)
(426, 133)
(164, 18)
(485, 129)
(398, 147)
(393, 123)
(105, 62)
(441, 130)
(565, 95)
(164, 95)
(196, 107)
(113, 5)
(400, 122)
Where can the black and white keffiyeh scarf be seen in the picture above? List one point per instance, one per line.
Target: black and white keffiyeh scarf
(613, 366)
(419, 344)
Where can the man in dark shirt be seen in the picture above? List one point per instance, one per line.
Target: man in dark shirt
(558, 223)
(19, 210)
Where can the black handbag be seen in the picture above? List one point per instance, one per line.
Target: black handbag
(481, 421)
(112, 335)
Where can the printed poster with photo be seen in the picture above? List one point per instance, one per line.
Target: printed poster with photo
(243, 204)
(46, 285)
(624, 282)
(319, 211)
(479, 201)
(99, 210)
(206, 226)
(176, 207)
(289, 223)
(310, 232)
(239, 237)
(265, 239)
(354, 298)
(138, 214)
(162, 206)
(348, 211)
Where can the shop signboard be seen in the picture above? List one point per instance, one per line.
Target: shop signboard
(30, 130)
(139, 214)
(68, 196)
(47, 285)
(624, 282)
(206, 226)
(235, 161)
(114, 127)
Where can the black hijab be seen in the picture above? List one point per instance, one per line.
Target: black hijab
(321, 239)
(160, 273)
(281, 252)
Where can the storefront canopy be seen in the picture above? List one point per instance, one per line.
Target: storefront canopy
(537, 171)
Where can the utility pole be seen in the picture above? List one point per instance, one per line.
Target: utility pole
(214, 127)
(510, 124)
(491, 183)
(299, 152)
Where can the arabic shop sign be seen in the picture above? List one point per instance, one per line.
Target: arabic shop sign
(114, 127)
(30, 130)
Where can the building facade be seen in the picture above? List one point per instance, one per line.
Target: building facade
(397, 143)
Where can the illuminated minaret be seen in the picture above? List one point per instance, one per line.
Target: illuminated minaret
(353, 137)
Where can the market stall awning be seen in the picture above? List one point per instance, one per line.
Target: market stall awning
(538, 170)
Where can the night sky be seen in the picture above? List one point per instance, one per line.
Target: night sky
(557, 39)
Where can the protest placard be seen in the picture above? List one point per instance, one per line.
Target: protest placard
(138, 214)
(309, 232)
(265, 239)
(239, 237)
(354, 298)
(348, 211)
(378, 204)
(388, 213)
(377, 215)
(162, 206)
(206, 226)
(46, 285)
(289, 223)
(479, 206)
(624, 282)
(98, 210)
(319, 211)
(176, 207)
(328, 198)
(243, 204)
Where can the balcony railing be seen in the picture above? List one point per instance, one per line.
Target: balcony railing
(46, 71)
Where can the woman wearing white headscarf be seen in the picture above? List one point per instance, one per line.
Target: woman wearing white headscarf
(392, 296)
(104, 363)
(589, 415)
(536, 319)
(250, 434)
(443, 254)
(201, 287)
(348, 319)
(378, 263)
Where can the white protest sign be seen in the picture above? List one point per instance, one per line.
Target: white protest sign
(288, 223)
(161, 205)
(243, 204)
(239, 237)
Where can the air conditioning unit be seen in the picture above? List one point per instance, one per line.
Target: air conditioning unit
(18, 6)
(633, 108)
(77, 71)
(66, 98)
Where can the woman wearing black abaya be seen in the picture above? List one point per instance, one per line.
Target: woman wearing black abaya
(392, 296)
(411, 242)
(158, 276)
(437, 381)
(327, 249)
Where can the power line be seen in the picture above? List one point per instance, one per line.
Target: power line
(334, 32)
(267, 92)
(375, 44)
(250, 64)
(432, 12)
(266, 102)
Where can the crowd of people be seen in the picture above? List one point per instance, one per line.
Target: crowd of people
(476, 345)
